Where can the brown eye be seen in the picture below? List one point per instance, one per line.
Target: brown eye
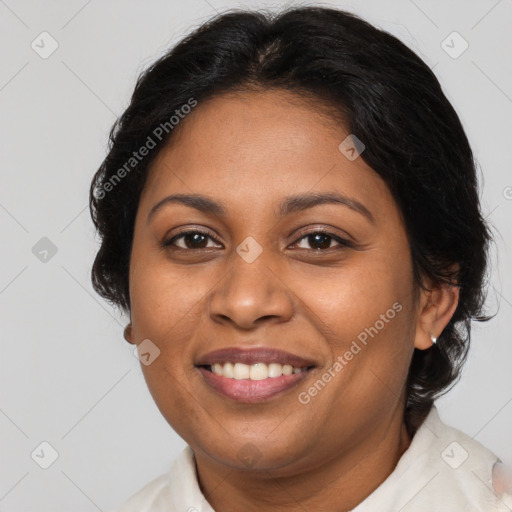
(318, 241)
(321, 240)
(191, 240)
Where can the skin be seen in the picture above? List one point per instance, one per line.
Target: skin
(248, 152)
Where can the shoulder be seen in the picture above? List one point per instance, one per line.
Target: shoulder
(144, 499)
(443, 469)
(502, 482)
(463, 468)
(176, 490)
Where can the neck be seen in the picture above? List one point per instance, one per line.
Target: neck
(339, 483)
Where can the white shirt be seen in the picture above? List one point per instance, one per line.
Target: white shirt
(443, 470)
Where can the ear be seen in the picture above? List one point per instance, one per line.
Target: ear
(128, 336)
(437, 306)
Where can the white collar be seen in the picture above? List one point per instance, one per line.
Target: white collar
(443, 469)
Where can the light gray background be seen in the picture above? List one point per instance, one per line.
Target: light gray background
(67, 376)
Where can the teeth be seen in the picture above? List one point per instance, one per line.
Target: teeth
(257, 371)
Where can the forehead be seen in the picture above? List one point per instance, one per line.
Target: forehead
(263, 145)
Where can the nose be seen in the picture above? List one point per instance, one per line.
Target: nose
(249, 295)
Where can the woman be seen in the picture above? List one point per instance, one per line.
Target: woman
(289, 214)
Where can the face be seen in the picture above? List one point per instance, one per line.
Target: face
(328, 282)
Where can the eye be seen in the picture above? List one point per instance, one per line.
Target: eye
(321, 240)
(192, 240)
(318, 240)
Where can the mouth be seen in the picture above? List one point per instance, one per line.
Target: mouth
(253, 375)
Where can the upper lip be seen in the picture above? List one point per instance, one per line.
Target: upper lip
(253, 355)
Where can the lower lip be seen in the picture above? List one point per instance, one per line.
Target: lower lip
(250, 391)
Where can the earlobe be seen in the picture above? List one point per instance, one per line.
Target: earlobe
(128, 333)
(439, 306)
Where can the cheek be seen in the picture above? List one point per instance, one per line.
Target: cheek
(168, 308)
(354, 297)
(169, 387)
(366, 314)
(163, 297)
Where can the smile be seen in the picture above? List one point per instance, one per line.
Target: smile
(239, 385)
(258, 371)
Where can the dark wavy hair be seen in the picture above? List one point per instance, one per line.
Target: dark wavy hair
(389, 98)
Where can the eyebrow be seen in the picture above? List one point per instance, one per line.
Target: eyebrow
(289, 205)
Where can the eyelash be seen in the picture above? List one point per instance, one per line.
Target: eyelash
(342, 241)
